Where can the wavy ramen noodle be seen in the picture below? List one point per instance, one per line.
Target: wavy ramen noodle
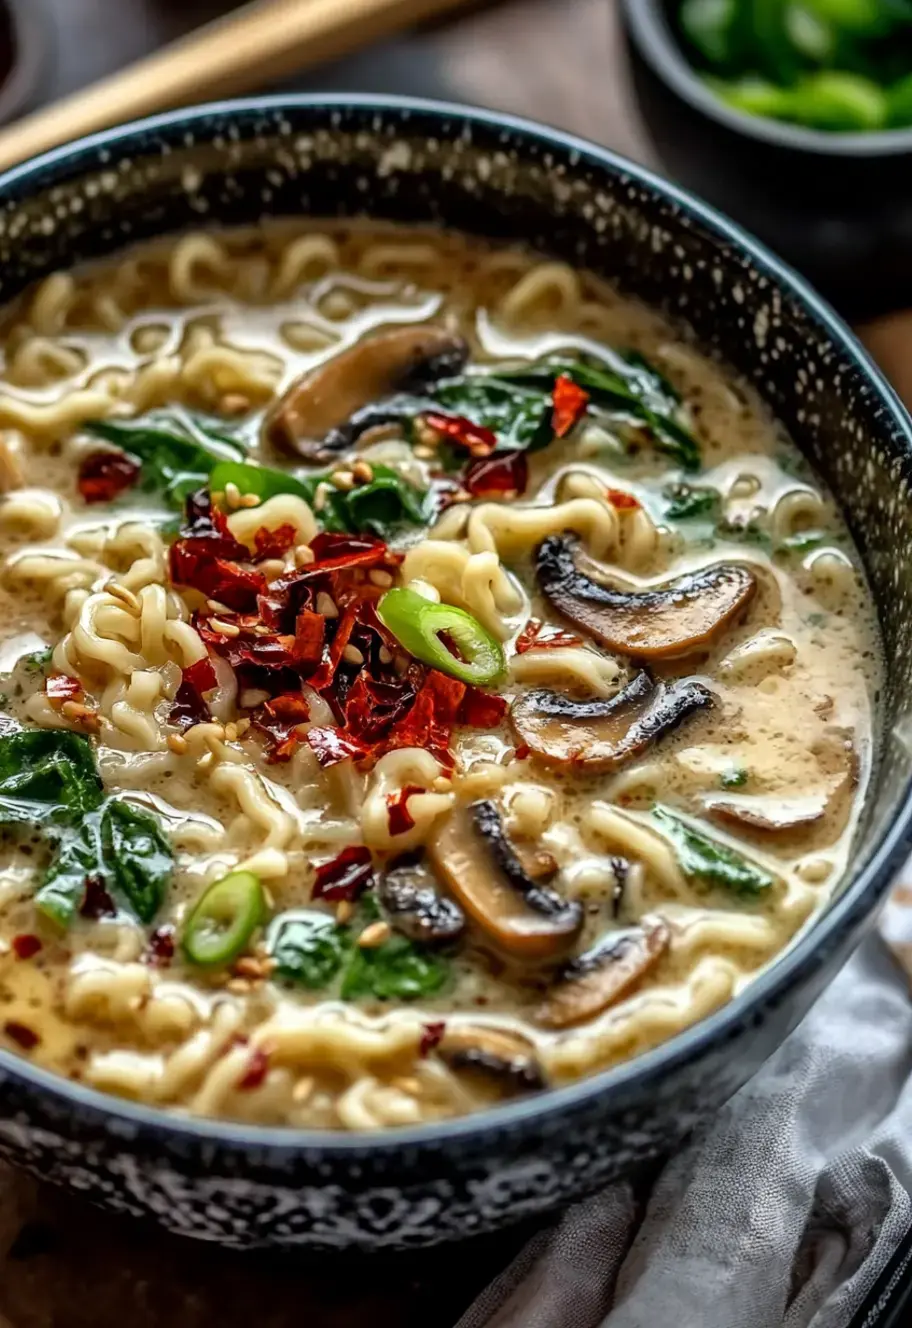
(427, 678)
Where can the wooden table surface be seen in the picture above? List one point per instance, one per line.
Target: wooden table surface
(63, 1265)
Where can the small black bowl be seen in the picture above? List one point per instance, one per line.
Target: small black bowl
(497, 176)
(836, 206)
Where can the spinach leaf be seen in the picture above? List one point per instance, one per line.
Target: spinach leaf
(686, 502)
(48, 779)
(519, 415)
(395, 970)
(137, 856)
(378, 508)
(309, 947)
(47, 775)
(124, 847)
(709, 861)
(312, 950)
(626, 385)
(175, 448)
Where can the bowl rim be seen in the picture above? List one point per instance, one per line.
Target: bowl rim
(135, 1123)
(651, 32)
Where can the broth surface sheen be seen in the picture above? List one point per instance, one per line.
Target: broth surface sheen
(467, 853)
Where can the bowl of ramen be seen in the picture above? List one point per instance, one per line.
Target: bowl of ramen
(455, 667)
(794, 119)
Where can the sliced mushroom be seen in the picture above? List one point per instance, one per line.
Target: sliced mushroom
(473, 857)
(677, 618)
(501, 1053)
(413, 906)
(770, 813)
(604, 975)
(604, 734)
(313, 420)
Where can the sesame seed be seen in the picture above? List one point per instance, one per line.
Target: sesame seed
(363, 472)
(373, 935)
(250, 500)
(342, 479)
(352, 655)
(321, 494)
(216, 606)
(326, 605)
(271, 568)
(178, 743)
(423, 453)
(344, 911)
(304, 555)
(379, 577)
(232, 494)
(239, 986)
(384, 655)
(225, 628)
(234, 403)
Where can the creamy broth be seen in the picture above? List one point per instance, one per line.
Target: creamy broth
(440, 894)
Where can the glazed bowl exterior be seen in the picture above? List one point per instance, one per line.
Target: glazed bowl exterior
(837, 206)
(496, 176)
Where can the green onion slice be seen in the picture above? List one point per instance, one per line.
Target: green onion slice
(224, 919)
(417, 624)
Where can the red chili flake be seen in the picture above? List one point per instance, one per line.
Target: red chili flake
(310, 631)
(431, 1037)
(26, 1037)
(160, 949)
(623, 502)
(398, 815)
(62, 688)
(496, 476)
(257, 1069)
(96, 902)
(334, 552)
(430, 721)
(481, 710)
(346, 876)
(279, 718)
(522, 751)
(479, 441)
(273, 543)
(189, 705)
(570, 402)
(103, 475)
(217, 578)
(26, 946)
(344, 628)
(330, 746)
(531, 637)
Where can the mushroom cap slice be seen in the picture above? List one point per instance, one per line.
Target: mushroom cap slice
(500, 1053)
(684, 615)
(604, 975)
(473, 857)
(414, 908)
(603, 734)
(308, 420)
(768, 812)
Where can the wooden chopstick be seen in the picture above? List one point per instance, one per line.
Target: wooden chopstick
(258, 45)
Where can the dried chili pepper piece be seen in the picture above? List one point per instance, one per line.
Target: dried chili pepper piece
(103, 476)
(26, 946)
(346, 876)
(537, 636)
(479, 441)
(398, 815)
(497, 476)
(569, 405)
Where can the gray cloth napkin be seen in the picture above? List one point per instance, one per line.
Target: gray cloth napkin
(782, 1211)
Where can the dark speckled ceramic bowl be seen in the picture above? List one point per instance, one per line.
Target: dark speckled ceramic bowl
(500, 177)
